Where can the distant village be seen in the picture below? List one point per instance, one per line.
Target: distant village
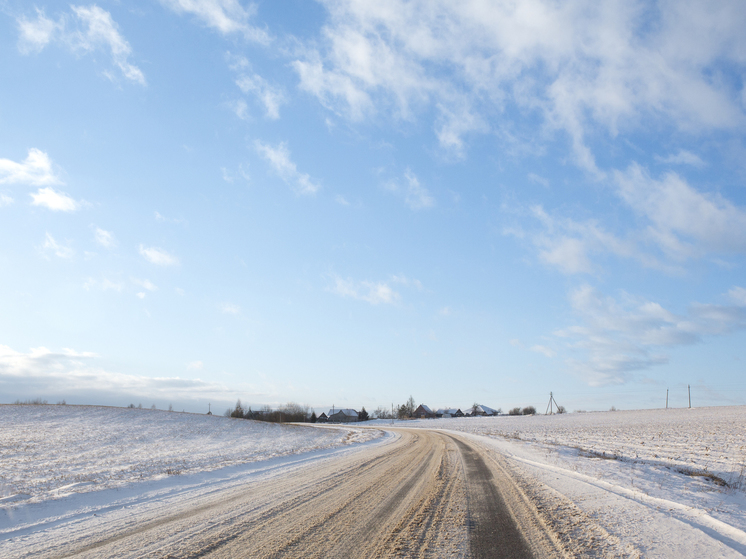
(347, 415)
(292, 412)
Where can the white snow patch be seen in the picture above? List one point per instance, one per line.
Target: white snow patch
(51, 451)
(668, 483)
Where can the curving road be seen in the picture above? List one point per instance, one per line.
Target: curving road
(425, 494)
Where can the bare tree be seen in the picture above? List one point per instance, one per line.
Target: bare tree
(410, 406)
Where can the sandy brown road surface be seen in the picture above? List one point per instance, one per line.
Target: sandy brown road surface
(425, 494)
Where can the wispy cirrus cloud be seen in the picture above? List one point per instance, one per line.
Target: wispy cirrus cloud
(618, 337)
(158, 256)
(52, 246)
(683, 157)
(279, 159)
(104, 284)
(683, 221)
(47, 373)
(84, 29)
(416, 196)
(145, 284)
(371, 292)
(672, 222)
(226, 16)
(544, 350)
(271, 96)
(578, 67)
(104, 238)
(230, 308)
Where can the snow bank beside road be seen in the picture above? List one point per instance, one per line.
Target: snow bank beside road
(663, 483)
(51, 451)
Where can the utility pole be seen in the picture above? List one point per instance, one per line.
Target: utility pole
(550, 409)
(666, 398)
(689, 388)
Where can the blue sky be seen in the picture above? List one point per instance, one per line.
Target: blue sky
(347, 202)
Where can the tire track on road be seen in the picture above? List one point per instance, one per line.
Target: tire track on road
(427, 494)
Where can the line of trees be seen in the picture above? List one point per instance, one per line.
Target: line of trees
(289, 413)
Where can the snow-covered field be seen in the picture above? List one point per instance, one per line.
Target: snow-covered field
(651, 483)
(664, 483)
(50, 451)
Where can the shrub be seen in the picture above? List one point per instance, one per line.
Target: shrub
(529, 410)
(238, 410)
(515, 411)
(382, 413)
(34, 402)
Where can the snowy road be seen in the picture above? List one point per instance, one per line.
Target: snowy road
(418, 493)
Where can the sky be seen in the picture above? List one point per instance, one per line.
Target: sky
(345, 203)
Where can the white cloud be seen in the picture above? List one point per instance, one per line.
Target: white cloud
(104, 285)
(158, 256)
(164, 219)
(5, 200)
(533, 177)
(684, 221)
(226, 176)
(195, 365)
(279, 158)
(682, 158)
(676, 223)
(546, 351)
(41, 371)
(371, 292)
(104, 238)
(569, 245)
(227, 16)
(416, 196)
(91, 29)
(35, 170)
(102, 32)
(56, 201)
(738, 296)
(240, 108)
(404, 280)
(618, 338)
(144, 283)
(59, 250)
(229, 308)
(36, 34)
(582, 67)
(269, 95)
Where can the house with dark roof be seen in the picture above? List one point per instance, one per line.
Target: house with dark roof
(449, 412)
(482, 410)
(423, 412)
(342, 416)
